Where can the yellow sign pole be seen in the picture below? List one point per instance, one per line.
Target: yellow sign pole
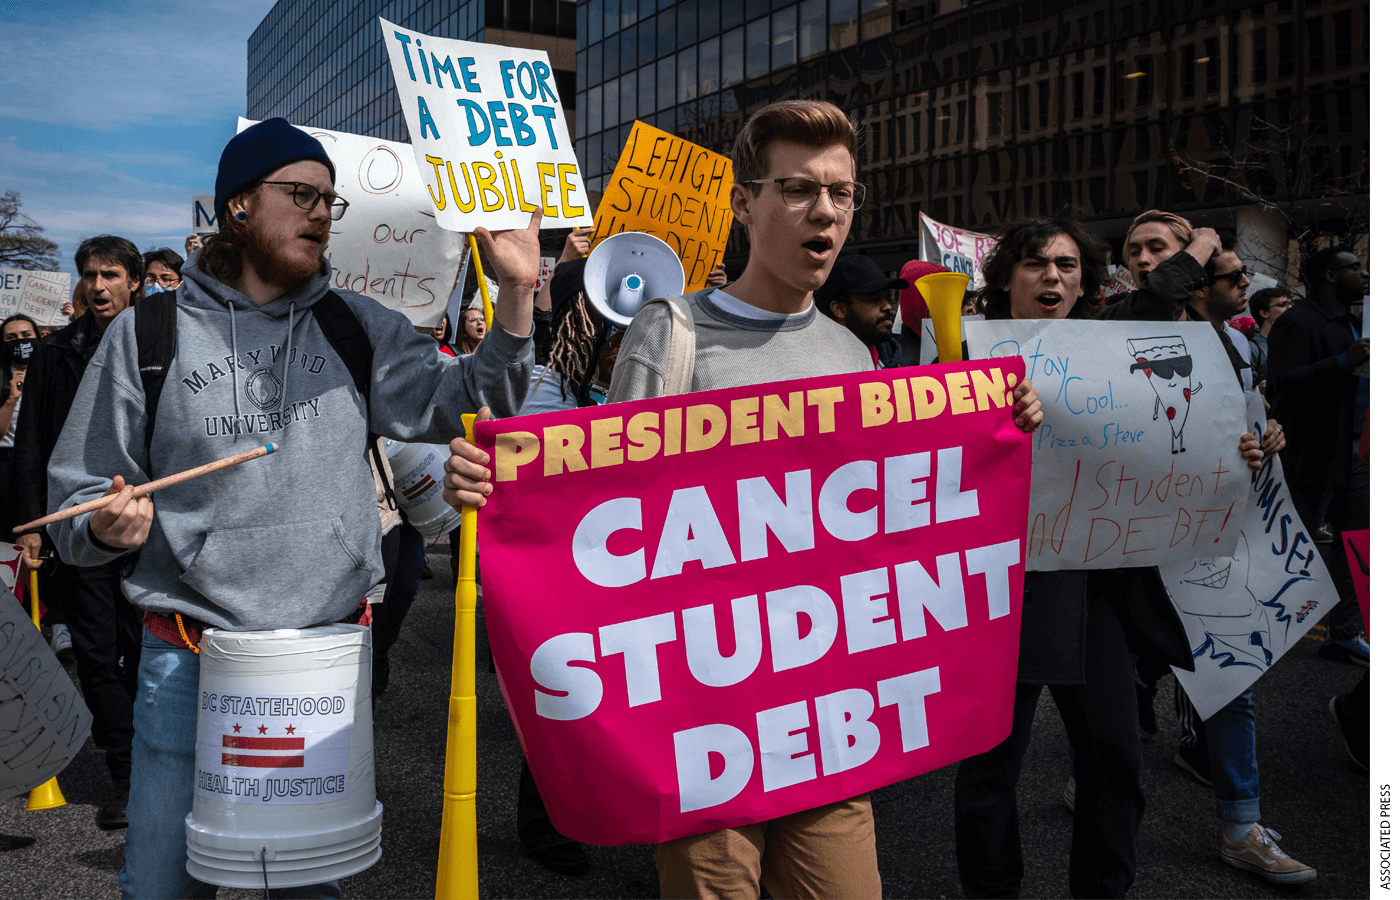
(457, 862)
(46, 795)
(486, 309)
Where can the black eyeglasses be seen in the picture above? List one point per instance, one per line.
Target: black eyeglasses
(1232, 277)
(306, 196)
(1164, 368)
(802, 193)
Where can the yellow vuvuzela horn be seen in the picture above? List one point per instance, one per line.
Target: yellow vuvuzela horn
(943, 292)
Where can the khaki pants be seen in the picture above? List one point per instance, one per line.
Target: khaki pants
(827, 853)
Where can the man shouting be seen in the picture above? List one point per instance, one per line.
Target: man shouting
(290, 541)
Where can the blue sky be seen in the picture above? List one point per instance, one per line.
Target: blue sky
(113, 115)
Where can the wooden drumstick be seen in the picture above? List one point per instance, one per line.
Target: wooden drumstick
(150, 487)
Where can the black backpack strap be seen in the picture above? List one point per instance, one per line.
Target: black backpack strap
(348, 337)
(155, 349)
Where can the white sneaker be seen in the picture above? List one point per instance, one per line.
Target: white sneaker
(1258, 853)
(62, 640)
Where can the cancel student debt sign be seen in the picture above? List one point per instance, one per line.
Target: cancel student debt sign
(717, 608)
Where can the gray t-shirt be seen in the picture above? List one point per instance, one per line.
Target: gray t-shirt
(733, 350)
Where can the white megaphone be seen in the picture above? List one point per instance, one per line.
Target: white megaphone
(626, 271)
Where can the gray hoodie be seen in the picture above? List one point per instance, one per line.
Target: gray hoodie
(290, 540)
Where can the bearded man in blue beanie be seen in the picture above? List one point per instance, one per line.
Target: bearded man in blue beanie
(289, 541)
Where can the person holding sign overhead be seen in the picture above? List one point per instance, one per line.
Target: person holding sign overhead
(795, 191)
(292, 542)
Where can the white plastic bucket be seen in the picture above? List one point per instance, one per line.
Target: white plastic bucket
(418, 473)
(284, 758)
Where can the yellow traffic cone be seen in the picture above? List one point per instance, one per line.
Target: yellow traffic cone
(46, 795)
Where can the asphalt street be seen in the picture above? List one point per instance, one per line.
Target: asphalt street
(1311, 795)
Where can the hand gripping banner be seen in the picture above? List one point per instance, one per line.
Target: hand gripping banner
(718, 608)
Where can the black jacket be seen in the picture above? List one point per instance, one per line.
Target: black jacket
(49, 388)
(1313, 393)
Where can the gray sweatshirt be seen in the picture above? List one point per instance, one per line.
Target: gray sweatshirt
(290, 540)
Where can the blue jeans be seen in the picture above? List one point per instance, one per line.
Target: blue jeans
(162, 779)
(1233, 765)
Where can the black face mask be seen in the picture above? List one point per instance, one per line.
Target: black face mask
(18, 352)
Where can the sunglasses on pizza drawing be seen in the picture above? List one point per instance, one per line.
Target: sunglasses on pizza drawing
(1166, 369)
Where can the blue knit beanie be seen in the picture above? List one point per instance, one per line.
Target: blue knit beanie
(263, 148)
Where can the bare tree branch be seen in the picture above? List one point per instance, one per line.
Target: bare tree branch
(22, 241)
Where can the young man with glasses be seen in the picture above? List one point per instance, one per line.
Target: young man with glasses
(795, 191)
(290, 541)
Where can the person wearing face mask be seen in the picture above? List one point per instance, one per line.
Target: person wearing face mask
(20, 337)
(162, 270)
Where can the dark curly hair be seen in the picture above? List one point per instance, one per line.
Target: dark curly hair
(1021, 238)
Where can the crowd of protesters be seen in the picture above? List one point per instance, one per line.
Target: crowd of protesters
(1100, 640)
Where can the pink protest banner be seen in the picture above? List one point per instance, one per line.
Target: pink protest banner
(1358, 544)
(717, 608)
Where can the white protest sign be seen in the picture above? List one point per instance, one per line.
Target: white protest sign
(39, 295)
(488, 129)
(1137, 461)
(387, 245)
(1242, 613)
(959, 250)
(43, 719)
(204, 218)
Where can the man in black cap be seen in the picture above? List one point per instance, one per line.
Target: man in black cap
(861, 297)
(287, 542)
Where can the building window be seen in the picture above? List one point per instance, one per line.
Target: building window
(685, 24)
(732, 65)
(1077, 94)
(812, 28)
(629, 49)
(756, 50)
(1287, 60)
(1186, 62)
(784, 38)
(1341, 37)
(685, 75)
(709, 68)
(611, 16)
(665, 82)
(646, 41)
(665, 32)
(629, 13)
(646, 91)
(610, 104)
(844, 16)
(1316, 49)
(1260, 40)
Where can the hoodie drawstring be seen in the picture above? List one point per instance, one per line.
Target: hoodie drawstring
(233, 332)
(287, 350)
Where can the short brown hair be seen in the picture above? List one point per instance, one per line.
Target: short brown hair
(812, 123)
(1179, 226)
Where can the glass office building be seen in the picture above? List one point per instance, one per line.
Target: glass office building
(323, 63)
(972, 111)
(978, 111)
